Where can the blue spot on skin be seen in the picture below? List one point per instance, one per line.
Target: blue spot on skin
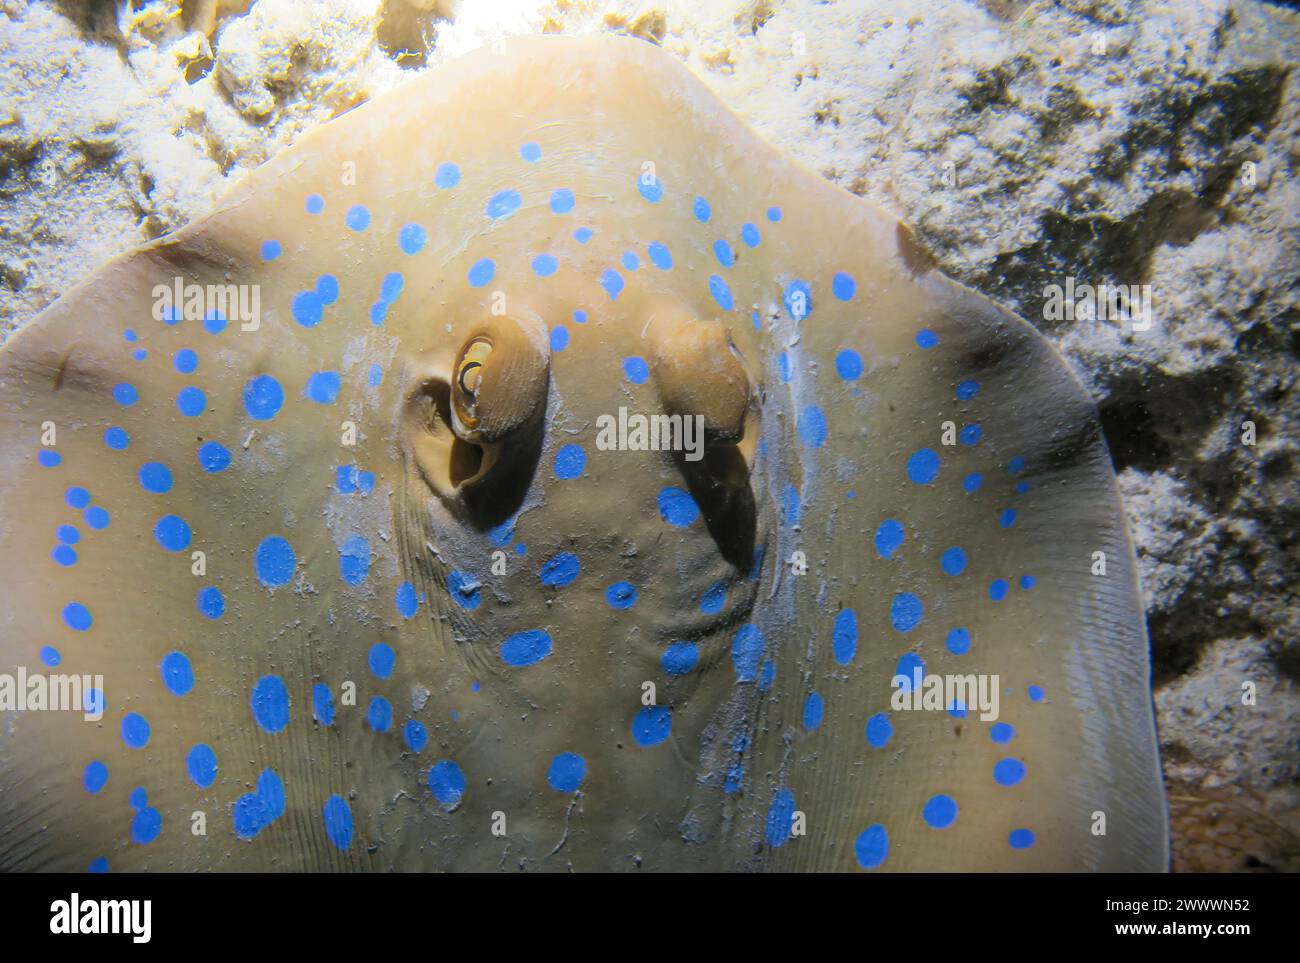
(274, 562)
(544, 265)
(660, 256)
(270, 250)
(579, 317)
(812, 427)
(447, 783)
(650, 188)
(1002, 732)
(49, 459)
(797, 299)
(211, 603)
(155, 477)
(95, 777)
(680, 658)
(379, 716)
(701, 210)
(116, 438)
(354, 559)
(560, 570)
(414, 735)
(201, 764)
(140, 355)
(526, 648)
(135, 730)
(998, 589)
(746, 651)
(652, 725)
(872, 847)
(970, 435)
(966, 390)
(177, 673)
(972, 482)
(482, 272)
(447, 175)
(322, 704)
(77, 497)
(146, 826)
(814, 709)
(172, 533)
(213, 457)
(307, 308)
(531, 153)
(1008, 772)
(780, 818)
(1022, 487)
(348, 480)
(923, 466)
(783, 367)
(879, 730)
(327, 289)
(1027, 582)
(406, 600)
(621, 595)
(889, 537)
(926, 339)
(631, 261)
(848, 364)
(64, 555)
(67, 534)
(958, 641)
(125, 394)
(1016, 465)
(843, 286)
(562, 201)
(636, 369)
(844, 636)
(190, 401)
(337, 818)
(1007, 517)
(464, 589)
(186, 361)
(940, 812)
(906, 612)
(263, 397)
(723, 252)
(97, 517)
(503, 204)
(411, 239)
(677, 507)
(749, 234)
(1036, 693)
(270, 703)
(612, 282)
(767, 676)
(214, 322)
(774, 214)
(323, 387)
(390, 288)
(77, 617)
(714, 598)
(254, 811)
(357, 218)
(315, 204)
(1020, 838)
(567, 772)
(50, 655)
(570, 461)
(376, 376)
(582, 235)
(559, 338)
(721, 293)
(953, 561)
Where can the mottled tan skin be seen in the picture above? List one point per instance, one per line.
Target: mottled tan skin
(599, 109)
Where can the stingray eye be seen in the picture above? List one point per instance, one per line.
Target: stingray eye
(469, 379)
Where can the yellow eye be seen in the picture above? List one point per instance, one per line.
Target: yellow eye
(469, 377)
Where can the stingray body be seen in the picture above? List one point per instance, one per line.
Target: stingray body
(383, 568)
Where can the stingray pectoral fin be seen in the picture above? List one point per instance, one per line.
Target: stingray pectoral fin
(976, 691)
(169, 476)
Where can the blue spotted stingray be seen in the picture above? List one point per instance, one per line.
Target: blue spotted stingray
(341, 508)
